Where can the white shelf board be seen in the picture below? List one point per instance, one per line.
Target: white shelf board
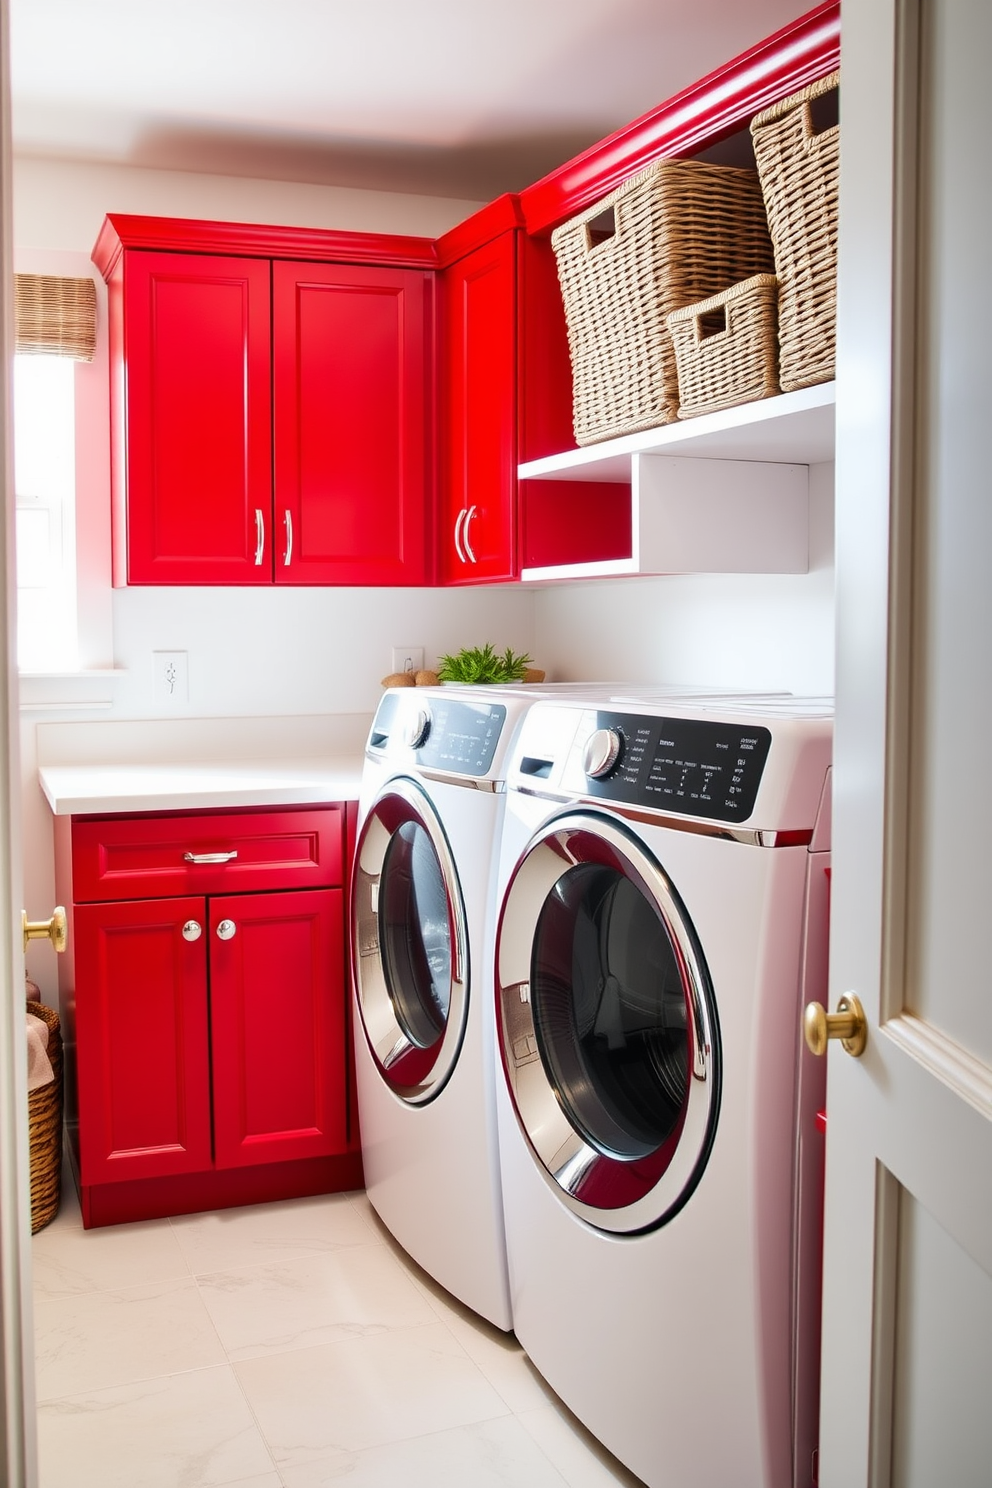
(794, 428)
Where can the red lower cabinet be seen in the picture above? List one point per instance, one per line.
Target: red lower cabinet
(141, 1021)
(206, 1034)
(276, 1038)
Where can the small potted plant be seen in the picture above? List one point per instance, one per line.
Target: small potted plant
(475, 664)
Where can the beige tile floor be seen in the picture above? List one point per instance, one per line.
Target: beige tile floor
(288, 1345)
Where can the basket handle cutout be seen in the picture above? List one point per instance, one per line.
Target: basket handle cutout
(601, 228)
(711, 323)
(824, 111)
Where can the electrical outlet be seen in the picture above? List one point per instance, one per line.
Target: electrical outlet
(408, 659)
(171, 677)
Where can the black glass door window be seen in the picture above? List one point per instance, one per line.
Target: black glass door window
(415, 935)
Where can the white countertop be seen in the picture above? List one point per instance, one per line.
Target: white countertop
(87, 788)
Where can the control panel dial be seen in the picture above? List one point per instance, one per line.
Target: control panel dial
(601, 752)
(416, 728)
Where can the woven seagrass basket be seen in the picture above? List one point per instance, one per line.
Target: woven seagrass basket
(726, 347)
(799, 175)
(45, 1128)
(673, 234)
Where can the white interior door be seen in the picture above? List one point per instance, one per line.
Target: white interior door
(17, 1432)
(907, 1340)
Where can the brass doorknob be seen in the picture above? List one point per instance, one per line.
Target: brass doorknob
(848, 1024)
(53, 929)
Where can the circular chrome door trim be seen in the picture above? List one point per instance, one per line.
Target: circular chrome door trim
(399, 802)
(565, 1158)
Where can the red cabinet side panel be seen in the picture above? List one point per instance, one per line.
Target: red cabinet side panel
(198, 412)
(278, 1027)
(141, 1036)
(351, 388)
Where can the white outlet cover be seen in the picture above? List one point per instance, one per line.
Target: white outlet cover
(171, 677)
(408, 659)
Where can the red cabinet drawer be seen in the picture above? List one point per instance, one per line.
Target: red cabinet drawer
(154, 857)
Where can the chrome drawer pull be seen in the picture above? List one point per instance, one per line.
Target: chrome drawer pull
(289, 537)
(227, 857)
(259, 537)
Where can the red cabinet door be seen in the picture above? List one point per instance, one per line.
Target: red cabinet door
(278, 1026)
(141, 1039)
(193, 420)
(477, 537)
(351, 381)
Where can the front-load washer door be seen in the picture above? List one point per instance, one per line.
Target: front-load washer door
(607, 1024)
(410, 954)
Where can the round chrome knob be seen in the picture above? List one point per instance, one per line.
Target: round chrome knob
(416, 728)
(601, 752)
(226, 930)
(192, 930)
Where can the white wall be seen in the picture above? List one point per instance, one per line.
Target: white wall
(306, 651)
(764, 631)
(286, 651)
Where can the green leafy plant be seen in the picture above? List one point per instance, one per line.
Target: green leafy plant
(481, 664)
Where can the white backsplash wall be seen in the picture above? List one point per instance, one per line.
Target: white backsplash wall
(749, 631)
(295, 651)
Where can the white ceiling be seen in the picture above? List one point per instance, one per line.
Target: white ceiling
(452, 97)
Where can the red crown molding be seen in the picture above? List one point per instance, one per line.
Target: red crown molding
(185, 235)
(498, 217)
(701, 115)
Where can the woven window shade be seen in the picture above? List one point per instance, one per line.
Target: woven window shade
(55, 316)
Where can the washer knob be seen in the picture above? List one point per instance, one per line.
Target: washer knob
(416, 728)
(601, 752)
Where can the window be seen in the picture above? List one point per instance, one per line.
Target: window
(45, 488)
(56, 329)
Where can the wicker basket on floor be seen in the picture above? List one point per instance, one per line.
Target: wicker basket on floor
(45, 1128)
(726, 347)
(674, 234)
(799, 175)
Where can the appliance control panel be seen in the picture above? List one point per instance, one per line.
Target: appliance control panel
(694, 767)
(458, 735)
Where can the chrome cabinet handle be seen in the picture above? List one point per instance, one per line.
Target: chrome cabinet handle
(259, 536)
(458, 535)
(226, 930)
(289, 537)
(467, 545)
(189, 857)
(192, 930)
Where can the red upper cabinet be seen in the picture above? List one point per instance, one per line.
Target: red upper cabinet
(193, 447)
(271, 409)
(351, 389)
(505, 396)
(477, 527)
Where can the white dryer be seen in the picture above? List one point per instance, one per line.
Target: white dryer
(429, 819)
(663, 881)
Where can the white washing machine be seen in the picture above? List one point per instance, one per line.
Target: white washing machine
(663, 879)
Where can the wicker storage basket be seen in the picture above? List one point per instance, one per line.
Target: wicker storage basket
(726, 347)
(682, 230)
(45, 1128)
(799, 173)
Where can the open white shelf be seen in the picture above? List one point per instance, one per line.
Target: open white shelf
(723, 493)
(794, 428)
